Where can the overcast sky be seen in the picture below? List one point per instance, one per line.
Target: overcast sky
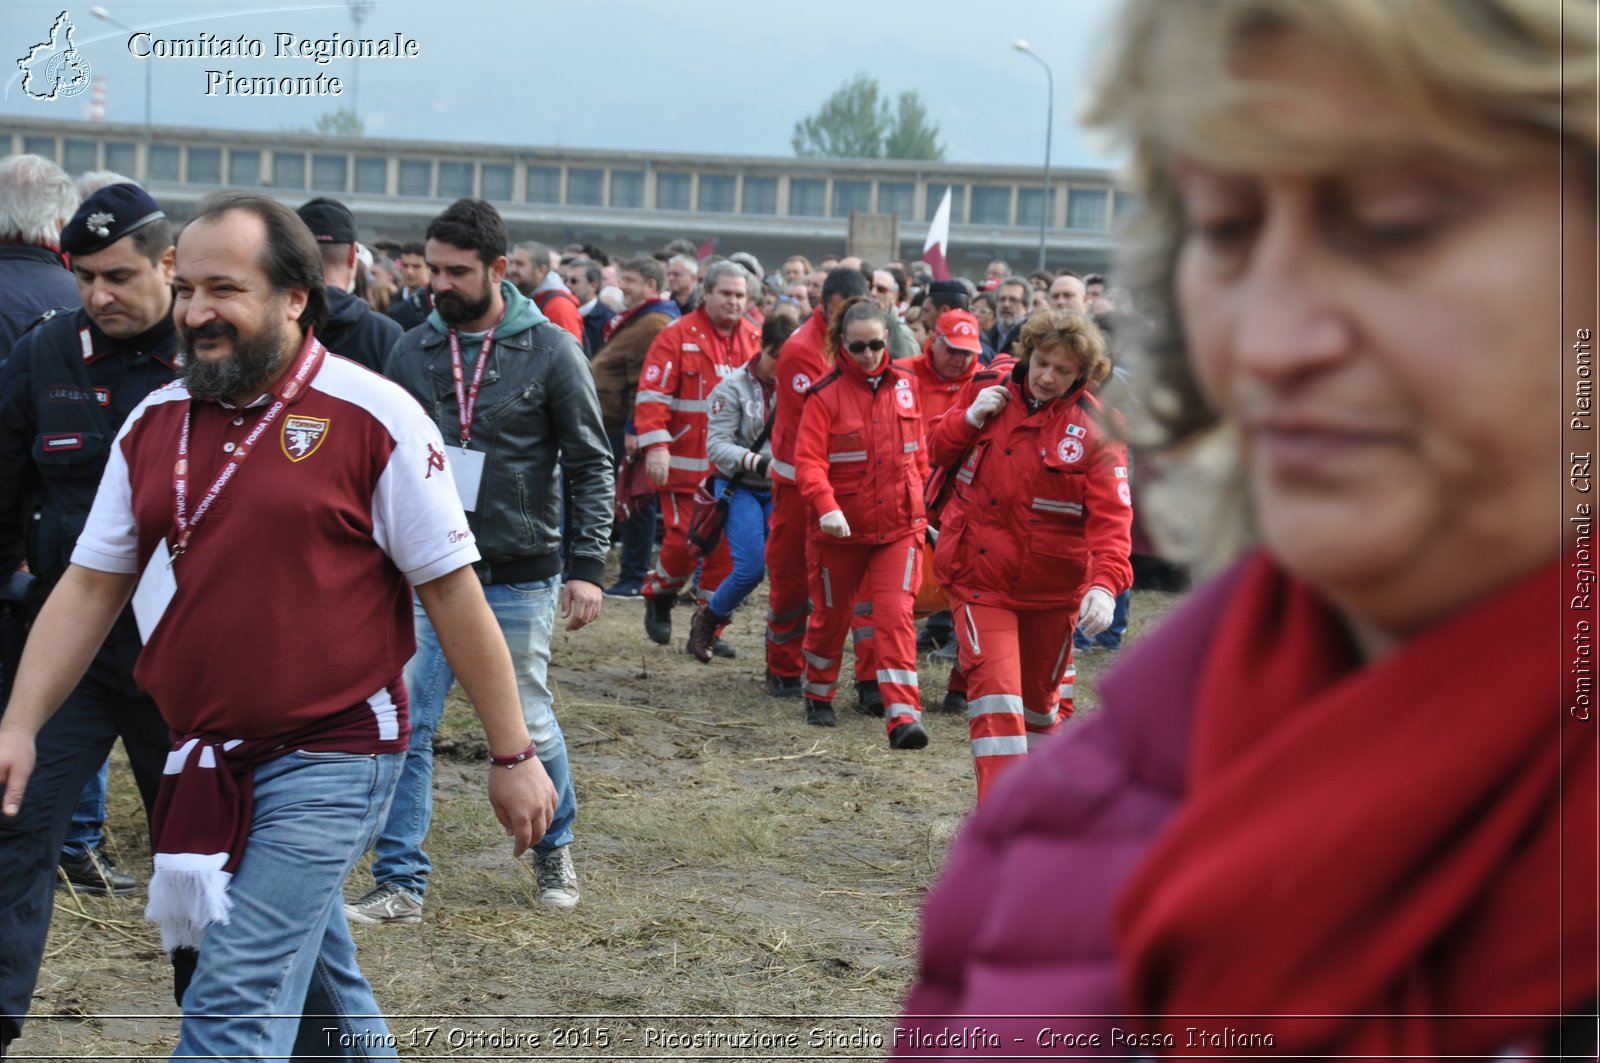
(711, 77)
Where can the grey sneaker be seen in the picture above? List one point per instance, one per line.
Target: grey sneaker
(387, 903)
(558, 882)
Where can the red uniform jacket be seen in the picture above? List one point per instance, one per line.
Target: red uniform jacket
(800, 365)
(561, 307)
(860, 450)
(934, 392)
(1041, 508)
(686, 361)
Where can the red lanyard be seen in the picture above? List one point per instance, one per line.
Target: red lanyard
(309, 361)
(467, 397)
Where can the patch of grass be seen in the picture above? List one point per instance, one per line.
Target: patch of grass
(733, 861)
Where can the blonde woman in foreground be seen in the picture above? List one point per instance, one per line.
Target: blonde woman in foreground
(1343, 802)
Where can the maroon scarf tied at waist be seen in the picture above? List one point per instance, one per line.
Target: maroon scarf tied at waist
(1396, 860)
(205, 804)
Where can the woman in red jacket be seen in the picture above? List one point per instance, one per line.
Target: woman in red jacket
(860, 464)
(1036, 534)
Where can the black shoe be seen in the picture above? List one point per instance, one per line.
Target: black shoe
(722, 649)
(658, 619)
(703, 634)
(783, 686)
(93, 872)
(908, 736)
(954, 703)
(819, 713)
(869, 700)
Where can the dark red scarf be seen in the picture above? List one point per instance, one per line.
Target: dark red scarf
(1415, 838)
(649, 306)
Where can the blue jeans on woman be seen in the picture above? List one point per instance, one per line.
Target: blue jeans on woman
(527, 616)
(746, 532)
(280, 977)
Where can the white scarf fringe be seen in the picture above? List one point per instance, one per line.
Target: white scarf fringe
(188, 892)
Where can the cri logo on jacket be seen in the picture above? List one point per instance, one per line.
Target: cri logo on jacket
(801, 383)
(1069, 450)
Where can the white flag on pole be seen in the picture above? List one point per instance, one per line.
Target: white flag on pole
(938, 241)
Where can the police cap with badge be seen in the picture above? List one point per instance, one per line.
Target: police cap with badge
(108, 216)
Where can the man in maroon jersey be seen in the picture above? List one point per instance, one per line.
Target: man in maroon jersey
(271, 505)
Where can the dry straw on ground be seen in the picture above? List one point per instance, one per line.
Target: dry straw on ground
(734, 862)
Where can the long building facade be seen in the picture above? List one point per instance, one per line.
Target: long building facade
(627, 202)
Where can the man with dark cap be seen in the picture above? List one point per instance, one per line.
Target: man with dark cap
(353, 328)
(948, 295)
(69, 385)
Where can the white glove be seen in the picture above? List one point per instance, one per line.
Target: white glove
(990, 401)
(834, 524)
(1094, 612)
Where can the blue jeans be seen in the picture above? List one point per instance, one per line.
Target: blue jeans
(280, 977)
(746, 532)
(1119, 619)
(527, 615)
(1111, 637)
(87, 829)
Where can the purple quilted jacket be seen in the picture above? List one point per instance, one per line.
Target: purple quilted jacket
(1017, 955)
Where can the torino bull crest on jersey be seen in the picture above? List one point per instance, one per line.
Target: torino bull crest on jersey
(303, 435)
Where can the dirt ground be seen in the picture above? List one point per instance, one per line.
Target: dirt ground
(751, 885)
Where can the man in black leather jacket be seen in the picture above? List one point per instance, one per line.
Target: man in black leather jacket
(530, 415)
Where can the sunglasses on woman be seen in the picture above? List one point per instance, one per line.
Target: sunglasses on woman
(860, 346)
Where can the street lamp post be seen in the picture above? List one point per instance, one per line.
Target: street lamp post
(101, 13)
(359, 10)
(1049, 124)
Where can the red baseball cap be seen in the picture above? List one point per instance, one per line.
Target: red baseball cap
(959, 329)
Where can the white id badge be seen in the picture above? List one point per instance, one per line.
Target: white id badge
(157, 584)
(466, 468)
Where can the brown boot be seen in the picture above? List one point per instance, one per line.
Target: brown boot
(703, 633)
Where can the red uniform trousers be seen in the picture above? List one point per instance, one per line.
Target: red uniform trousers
(789, 558)
(674, 564)
(1019, 672)
(886, 575)
(786, 579)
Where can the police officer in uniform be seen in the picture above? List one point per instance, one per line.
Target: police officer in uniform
(69, 384)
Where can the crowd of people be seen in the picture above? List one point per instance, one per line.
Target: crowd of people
(1296, 807)
(567, 401)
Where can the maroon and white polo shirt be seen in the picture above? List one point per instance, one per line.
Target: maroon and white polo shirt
(293, 599)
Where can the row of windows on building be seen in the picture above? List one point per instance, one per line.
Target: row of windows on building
(817, 197)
